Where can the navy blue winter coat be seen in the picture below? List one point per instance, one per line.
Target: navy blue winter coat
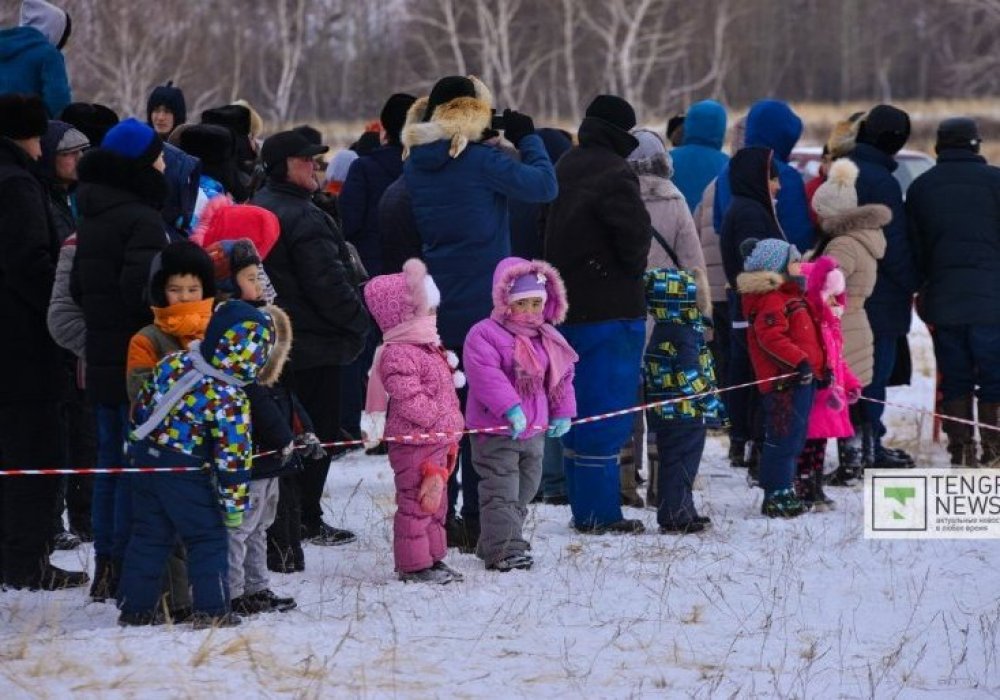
(700, 158)
(772, 124)
(367, 180)
(460, 198)
(953, 215)
(32, 65)
(890, 305)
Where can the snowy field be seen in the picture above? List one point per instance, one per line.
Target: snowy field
(751, 608)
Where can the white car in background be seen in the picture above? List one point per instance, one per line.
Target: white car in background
(806, 160)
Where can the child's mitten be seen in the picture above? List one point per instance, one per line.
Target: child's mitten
(233, 519)
(432, 487)
(518, 421)
(558, 427)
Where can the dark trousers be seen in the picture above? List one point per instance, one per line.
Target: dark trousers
(165, 506)
(743, 405)
(680, 446)
(318, 390)
(79, 444)
(111, 505)
(353, 380)
(885, 360)
(968, 358)
(464, 479)
(720, 343)
(786, 422)
(284, 537)
(29, 439)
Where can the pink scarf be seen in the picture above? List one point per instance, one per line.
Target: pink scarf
(528, 378)
(421, 330)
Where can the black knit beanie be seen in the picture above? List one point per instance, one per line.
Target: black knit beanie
(885, 127)
(958, 132)
(393, 115)
(170, 97)
(613, 110)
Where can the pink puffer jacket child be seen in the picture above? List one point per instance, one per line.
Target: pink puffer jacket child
(830, 417)
(488, 357)
(417, 374)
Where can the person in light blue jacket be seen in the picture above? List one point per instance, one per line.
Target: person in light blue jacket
(30, 59)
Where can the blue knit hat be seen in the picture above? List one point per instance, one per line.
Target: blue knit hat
(133, 140)
(768, 255)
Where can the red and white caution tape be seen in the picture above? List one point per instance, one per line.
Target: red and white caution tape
(403, 439)
(933, 414)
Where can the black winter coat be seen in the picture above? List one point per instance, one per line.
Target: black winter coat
(120, 232)
(751, 213)
(890, 305)
(597, 231)
(953, 215)
(277, 417)
(28, 252)
(400, 237)
(367, 180)
(305, 266)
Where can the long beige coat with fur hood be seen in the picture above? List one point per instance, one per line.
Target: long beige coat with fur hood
(857, 243)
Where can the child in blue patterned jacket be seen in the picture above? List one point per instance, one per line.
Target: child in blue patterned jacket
(193, 413)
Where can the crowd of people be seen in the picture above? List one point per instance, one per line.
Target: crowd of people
(455, 269)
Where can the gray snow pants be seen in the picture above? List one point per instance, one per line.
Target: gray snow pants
(248, 542)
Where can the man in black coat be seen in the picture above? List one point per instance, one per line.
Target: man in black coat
(29, 419)
(953, 213)
(313, 286)
(597, 235)
(881, 134)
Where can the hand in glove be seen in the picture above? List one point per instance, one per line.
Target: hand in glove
(286, 453)
(805, 372)
(558, 427)
(516, 126)
(431, 491)
(518, 421)
(310, 447)
(233, 519)
(854, 395)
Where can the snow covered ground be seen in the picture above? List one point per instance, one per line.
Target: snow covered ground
(752, 608)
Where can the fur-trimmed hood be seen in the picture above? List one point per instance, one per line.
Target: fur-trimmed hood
(759, 282)
(460, 121)
(271, 371)
(509, 269)
(817, 272)
(864, 224)
(100, 166)
(656, 187)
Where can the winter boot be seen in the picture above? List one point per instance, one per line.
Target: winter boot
(456, 575)
(463, 533)
(756, 449)
(626, 475)
(249, 605)
(848, 461)
(275, 602)
(428, 575)
(782, 504)
(961, 440)
(204, 621)
(820, 501)
(624, 526)
(511, 562)
(737, 453)
(989, 415)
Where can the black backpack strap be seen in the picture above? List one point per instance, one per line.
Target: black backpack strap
(666, 246)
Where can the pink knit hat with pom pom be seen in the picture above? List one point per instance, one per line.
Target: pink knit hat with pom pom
(393, 299)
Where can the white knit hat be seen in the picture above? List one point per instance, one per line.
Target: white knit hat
(838, 194)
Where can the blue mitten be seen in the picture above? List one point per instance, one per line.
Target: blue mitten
(558, 427)
(518, 422)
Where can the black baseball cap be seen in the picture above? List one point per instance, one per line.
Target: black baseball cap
(288, 144)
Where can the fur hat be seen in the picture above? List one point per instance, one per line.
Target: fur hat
(22, 117)
(94, 120)
(210, 143)
(179, 258)
(133, 140)
(221, 220)
(447, 89)
(48, 19)
(461, 120)
(392, 299)
(236, 118)
(228, 258)
(838, 194)
(170, 97)
(393, 115)
(843, 135)
(614, 110)
(885, 127)
(958, 132)
(768, 255)
(256, 123)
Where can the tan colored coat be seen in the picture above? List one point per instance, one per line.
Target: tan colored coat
(710, 246)
(857, 243)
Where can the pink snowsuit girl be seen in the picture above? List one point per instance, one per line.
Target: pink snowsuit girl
(830, 416)
(520, 372)
(413, 375)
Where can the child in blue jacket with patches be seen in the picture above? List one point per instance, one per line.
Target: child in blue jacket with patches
(678, 365)
(193, 412)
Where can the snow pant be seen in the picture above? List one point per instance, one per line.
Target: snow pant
(418, 537)
(885, 360)
(553, 482)
(248, 542)
(786, 424)
(79, 445)
(811, 458)
(284, 537)
(318, 390)
(111, 504)
(509, 473)
(743, 405)
(720, 344)
(29, 439)
(166, 506)
(464, 480)
(680, 446)
(607, 373)
(968, 359)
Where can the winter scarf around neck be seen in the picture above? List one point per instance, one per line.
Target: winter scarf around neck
(529, 376)
(421, 330)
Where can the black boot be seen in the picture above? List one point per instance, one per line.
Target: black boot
(989, 415)
(105, 579)
(848, 462)
(737, 453)
(463, 533)
(753, 462)
(820, 501)
(961, 440)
